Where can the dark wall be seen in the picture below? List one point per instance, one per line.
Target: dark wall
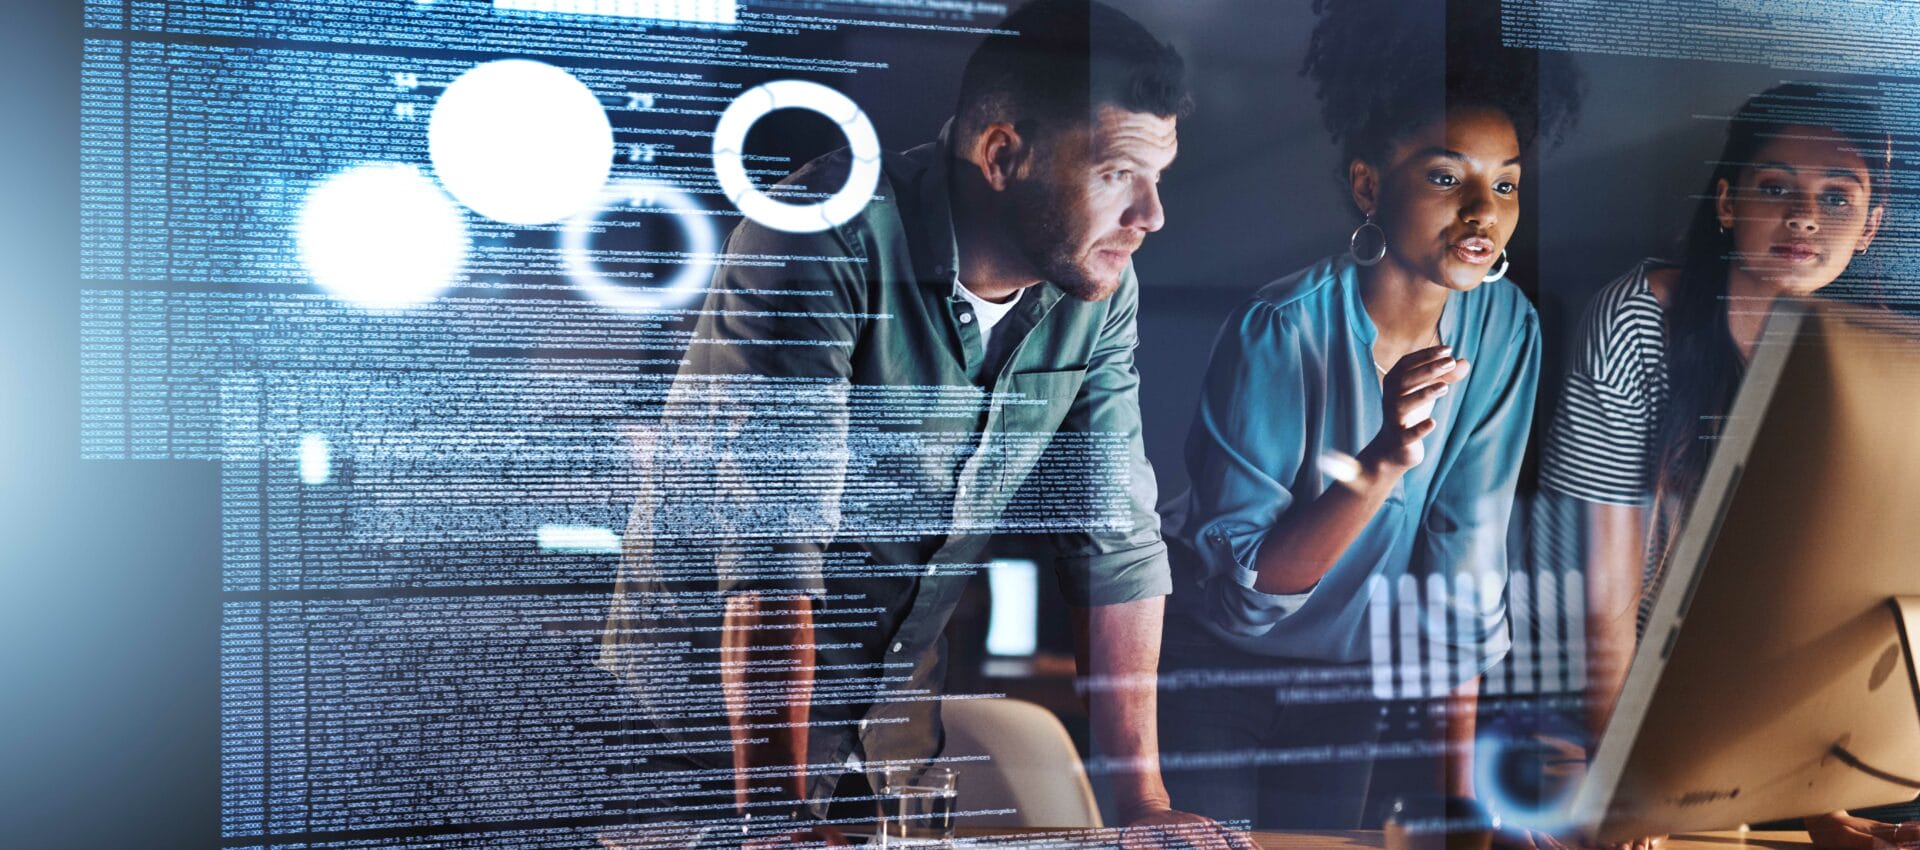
(109, 573)
(1256, 192)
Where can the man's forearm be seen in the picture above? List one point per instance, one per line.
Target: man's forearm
(767, 660)
(1122, 651)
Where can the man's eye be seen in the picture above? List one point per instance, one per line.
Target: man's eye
(1442, 178)
(1117, 176)
(1835, 199)
(1506, 187)
(1773, 190)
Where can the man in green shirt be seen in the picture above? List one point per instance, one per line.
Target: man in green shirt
(863, 406)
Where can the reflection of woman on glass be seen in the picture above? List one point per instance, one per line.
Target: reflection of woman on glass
(1362, 419)
(1797, 194)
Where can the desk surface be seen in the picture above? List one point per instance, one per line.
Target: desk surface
(1042, 839)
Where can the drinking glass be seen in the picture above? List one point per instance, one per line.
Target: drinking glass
(915, 807)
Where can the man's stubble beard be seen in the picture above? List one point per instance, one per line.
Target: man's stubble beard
(1042, 228)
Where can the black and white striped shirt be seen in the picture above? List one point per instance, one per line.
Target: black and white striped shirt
(1600, 447)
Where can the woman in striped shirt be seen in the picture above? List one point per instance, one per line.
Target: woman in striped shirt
(1797, 193)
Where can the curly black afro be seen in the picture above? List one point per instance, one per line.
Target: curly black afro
(1378, 65)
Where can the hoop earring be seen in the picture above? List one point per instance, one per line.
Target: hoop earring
(1499, 269)
(1376, 241)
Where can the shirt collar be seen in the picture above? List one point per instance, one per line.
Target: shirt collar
(936, 209)
(943, 246)
(1348, 273)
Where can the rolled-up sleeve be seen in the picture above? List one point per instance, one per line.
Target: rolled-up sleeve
(1108, 567)
(757, 421)
(1245, 455)
(1599, 445)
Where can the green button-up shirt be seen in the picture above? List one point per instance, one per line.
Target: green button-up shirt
(840, 325)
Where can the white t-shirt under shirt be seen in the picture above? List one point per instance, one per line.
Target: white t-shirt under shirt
(987, 313)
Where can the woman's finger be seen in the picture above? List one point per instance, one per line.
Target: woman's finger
(1907, 834)
(1422, 355)
(1429, 371)
(1417, 359)
(1425, 392)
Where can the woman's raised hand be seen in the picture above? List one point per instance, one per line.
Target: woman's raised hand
(1407, 396)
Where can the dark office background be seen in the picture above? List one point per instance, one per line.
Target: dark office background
(108, 611)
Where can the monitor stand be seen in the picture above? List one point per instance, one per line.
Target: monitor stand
(1906, 616)
(1906, 621)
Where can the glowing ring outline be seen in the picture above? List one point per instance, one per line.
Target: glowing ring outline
(730, 136)
(1553, 816)
(681, 290)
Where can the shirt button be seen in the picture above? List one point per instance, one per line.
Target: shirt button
(966, 318)
(897, 646)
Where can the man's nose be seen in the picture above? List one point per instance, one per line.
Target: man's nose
(1146, 212)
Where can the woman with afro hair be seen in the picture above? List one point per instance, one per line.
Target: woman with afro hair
(1360, 432)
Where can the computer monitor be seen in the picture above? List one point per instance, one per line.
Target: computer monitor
(1776, 677)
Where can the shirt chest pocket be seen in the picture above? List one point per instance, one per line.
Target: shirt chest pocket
(1037, 402)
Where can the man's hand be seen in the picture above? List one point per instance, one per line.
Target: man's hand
(1166, 829)
(1842, 831)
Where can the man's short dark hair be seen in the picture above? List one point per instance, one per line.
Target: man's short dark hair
(1066, 59)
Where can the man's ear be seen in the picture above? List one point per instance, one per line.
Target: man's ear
(999, 152)
(1364, 183)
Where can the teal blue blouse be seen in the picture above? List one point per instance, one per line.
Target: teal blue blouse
(1291, 379)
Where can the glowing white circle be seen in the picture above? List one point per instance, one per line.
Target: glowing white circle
(730, 136)
(381, 235)
(640, 193)
(520, 142)
(1552, 816)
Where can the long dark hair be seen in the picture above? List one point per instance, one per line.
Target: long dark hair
(1705, 366)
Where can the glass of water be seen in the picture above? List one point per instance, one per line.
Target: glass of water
(915, 806)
